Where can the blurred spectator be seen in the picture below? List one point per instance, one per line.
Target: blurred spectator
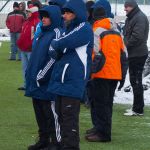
(29, 4)
(14, 22)
(106, 5)
(89, 8)
(26, 37)
(37, 3)
(22, 7)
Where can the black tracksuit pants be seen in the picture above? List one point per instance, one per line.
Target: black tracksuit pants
(102, 96)
(68, 111)
(136, 66)
(45, 120)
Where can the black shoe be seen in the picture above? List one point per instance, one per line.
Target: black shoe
(127, 89)
(11, 59)
(22, 88)
(97, 138)
(90, 131)
(54, 147)
(39, 146)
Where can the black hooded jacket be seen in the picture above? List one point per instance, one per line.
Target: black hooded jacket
(136, 33)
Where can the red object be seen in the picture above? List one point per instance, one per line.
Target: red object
(15, 21)
(26, 38)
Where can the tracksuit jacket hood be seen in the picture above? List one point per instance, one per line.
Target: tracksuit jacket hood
(106, 5)
(59, 2)
(55, 17)
(79, 9)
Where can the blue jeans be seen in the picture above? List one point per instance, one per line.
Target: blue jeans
(14, 48)
(25, 56)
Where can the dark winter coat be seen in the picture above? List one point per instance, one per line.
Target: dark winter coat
(136, 33)
(40, 56)
(15, 20)
(70, 73)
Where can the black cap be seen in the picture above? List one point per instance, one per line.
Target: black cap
(67, 10)
(131, 3)
(43, 13)
(99, 12)
(15, 5)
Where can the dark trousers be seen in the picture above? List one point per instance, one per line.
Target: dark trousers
(103, 93)
(68, 111)
(136, 66)
(90, 90)
(45, 120)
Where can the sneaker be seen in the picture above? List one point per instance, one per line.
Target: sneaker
(128, 110)
(39, 146)
(133, 113)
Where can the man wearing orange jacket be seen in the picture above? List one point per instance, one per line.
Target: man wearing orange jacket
(104, 82)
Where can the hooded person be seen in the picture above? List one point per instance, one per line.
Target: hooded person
(72, 70)
(43, 101)
(107, 41)
(89, 8)
(60, 4)
(106, 5)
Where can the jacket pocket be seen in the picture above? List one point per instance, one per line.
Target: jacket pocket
(64, 72)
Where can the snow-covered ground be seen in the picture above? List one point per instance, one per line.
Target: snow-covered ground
(4, 35)
(120, 96)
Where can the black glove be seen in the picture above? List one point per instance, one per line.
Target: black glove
(121, 84)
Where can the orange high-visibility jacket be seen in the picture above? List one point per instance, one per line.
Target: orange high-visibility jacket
(110, 42)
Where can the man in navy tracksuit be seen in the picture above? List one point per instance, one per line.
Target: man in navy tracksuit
(37, 88)
(71, 71)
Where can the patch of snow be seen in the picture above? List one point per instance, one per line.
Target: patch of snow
(4, 35)
(122, 97)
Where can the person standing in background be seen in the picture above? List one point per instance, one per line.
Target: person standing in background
(26, 38)
(135, 32)
(106, 5)
(14, 22)
(22, 7)
(104, 81)
(89, 8)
